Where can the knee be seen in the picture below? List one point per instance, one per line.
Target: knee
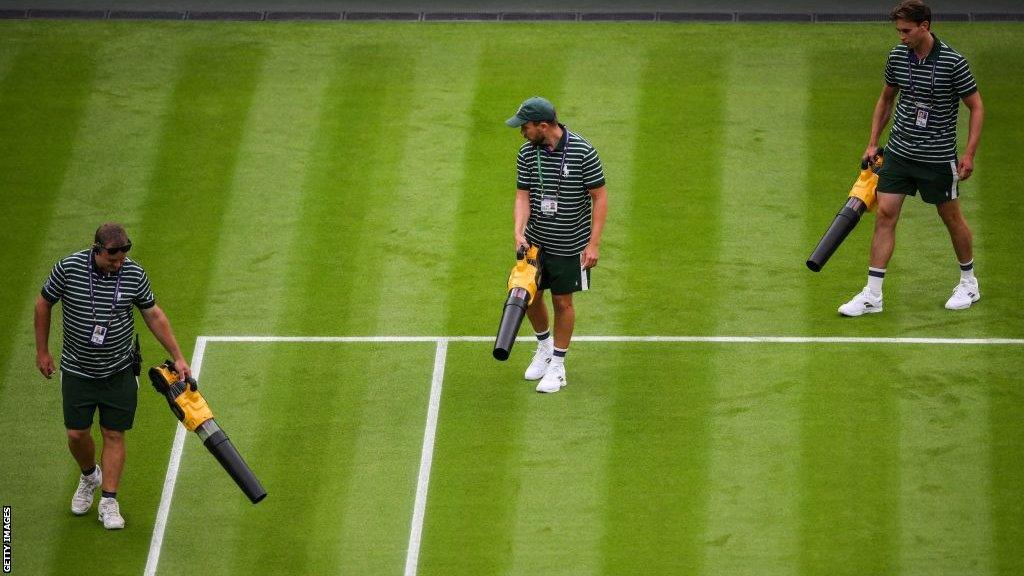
(563, 305)
(112, 436)
(886, 217)
(79, 435)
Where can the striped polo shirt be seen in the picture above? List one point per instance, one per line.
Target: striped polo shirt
(565, 174)
(940, 98)
(69, 283)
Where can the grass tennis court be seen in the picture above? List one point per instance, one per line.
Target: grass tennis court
(296, 179)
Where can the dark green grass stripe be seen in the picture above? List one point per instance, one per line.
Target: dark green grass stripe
(360, 137)
(656, 495)
(676, 185)
(1006, 426)
(188, 189)
(42, 101)
(994, 192)
(1000, 269)
(487, 196)
(473, 486)
(194, 169)
(850, 468)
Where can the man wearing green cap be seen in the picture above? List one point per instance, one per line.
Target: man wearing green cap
(561, 205)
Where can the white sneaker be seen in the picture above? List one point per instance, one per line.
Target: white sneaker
(110, 514)
(965, 294)
(553, 380)
(863, 303)
(82, 500)
(539, 365)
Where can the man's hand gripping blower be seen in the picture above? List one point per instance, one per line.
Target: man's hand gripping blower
(522, 287)
(862, 198)
(192, 410)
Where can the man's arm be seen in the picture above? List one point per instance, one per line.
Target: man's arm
(160, 326)
(44, 361)
(879, 119)
(522, 215)
(600, 212)
(966, 164)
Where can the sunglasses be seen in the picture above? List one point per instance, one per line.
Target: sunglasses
(117, 249)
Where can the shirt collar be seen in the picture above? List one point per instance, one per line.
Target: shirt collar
(932, 55)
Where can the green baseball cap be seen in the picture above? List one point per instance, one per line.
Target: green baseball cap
(534, 109)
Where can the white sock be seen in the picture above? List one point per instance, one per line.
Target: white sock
(967, 271)
(875, 278)
(558, 359)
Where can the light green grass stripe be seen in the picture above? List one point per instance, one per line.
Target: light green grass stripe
(599, 102)
(262, 204)
(945, 462)
(419, 212)
(107, 167)
(754, 445)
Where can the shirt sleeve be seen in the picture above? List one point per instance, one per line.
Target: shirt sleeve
(522, 171)
(890, 76)
(53, 288)
(593, 173)
(963, 80)
(144, 298)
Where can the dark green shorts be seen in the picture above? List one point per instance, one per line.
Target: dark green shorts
(563, 274)
(937, 181)
(116, 397)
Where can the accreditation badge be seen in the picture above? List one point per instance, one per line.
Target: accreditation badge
(99, 334)
(548, 205)
(922, 117)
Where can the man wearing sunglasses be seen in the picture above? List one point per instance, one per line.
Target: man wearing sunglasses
(98, 288)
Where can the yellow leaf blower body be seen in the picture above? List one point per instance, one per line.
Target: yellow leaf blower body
(862, 198)
(522, 287)
(194, 413)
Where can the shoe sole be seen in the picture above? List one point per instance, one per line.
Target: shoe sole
(863, 312)
(965, 306)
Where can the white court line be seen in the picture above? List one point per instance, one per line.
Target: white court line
(426, 459)
(172, 473)
(427, 454)
(712, 339)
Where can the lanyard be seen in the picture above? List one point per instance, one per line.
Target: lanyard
(561, 168)
(92, 299)
(931, 84)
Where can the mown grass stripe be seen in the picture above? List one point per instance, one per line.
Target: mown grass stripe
(193, 173)
(359, 143)
(490, 165)
(417, 217)
(945, 456)
(43, 101)
(263, 200)
(849, 465)
(752, 518)
(996, 224)
(605, 114)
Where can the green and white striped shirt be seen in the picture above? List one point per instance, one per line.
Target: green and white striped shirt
(69, 283)
(939, 97)
(566, 174)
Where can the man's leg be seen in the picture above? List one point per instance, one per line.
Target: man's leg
(565, 319)
(537, 312)
(112, 458)
(82, 447)
(883, 241)
(84, 451)
(966, 291)
(959, 232)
